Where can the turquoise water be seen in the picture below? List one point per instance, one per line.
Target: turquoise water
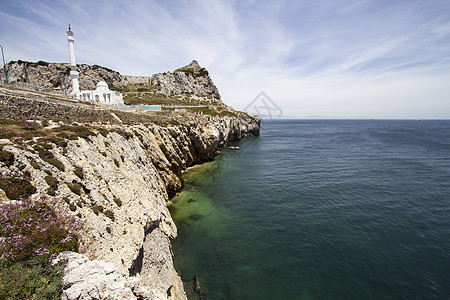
(321, 210)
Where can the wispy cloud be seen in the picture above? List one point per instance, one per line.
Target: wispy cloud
(332, 58)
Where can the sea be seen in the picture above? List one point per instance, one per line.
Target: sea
(320, 209)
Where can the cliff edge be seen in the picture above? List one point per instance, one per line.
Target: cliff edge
(114, 171)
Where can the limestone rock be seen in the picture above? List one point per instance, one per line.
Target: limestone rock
(49, 76)
(191, 79)
(96, 279)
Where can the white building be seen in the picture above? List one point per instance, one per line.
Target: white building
(102, 94)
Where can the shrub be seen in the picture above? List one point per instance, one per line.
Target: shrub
(56, 163)
(33, 234)
(46, 146)
(72, 207)
(85, 189)
(78, 172)
(7, 157)
(76, 189)
(41, 63)
(110, 214)
(51, 181)
(117, 201)
(58, 141)
(116, 162)
(16, 188)
(32, 228)
(33, 279)
(127, 135)
(43, 153)
(51, 192)
(108, 229)
(36, 166)
(73, 132)
(97, 209)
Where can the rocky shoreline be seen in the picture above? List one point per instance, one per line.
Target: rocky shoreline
(129, 169)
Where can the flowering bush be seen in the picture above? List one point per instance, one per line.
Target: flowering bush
(31, 235)
(16, 188)
(32, 228)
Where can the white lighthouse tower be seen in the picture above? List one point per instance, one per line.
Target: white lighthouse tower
(73, 66)
(102, 94)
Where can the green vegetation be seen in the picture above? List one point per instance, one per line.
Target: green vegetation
(53, 185)
(95, 67)
(148, 98)
(19, 130)
(78, 172)
(109, 214)
(56, 163)
(32, 235)
(51, 181)
(73, 132)
(127, 135)
(117, 201)
(31, 279)
(72, 207)
(6, 157)
(47, 156)
(17, 188)
(135, 94)
(51, 192)
(36, 166)
(193, 71)
(97, 209)
(57, 140)
(75, 188)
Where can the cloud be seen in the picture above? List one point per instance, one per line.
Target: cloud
(337, 58)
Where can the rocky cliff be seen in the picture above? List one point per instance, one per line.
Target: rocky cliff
(55, 76)
(189, 81)
(115, 178)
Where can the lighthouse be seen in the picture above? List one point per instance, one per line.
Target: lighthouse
(102, 94)
(73, 66)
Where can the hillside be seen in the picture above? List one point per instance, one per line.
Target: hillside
(190, 85)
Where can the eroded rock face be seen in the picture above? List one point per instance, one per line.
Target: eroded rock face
(191, 79)
(127, 175)
(48, 76)
(94, 279)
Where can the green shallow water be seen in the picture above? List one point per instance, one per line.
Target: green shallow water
(320, 210)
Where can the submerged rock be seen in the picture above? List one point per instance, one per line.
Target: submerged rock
(198, 288)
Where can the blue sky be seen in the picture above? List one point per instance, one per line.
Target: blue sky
(338, 59)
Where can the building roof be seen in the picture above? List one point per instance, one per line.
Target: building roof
(102, 86)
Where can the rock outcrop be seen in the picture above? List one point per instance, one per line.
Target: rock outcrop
(116, 180)
(191, 79)
(95, 279)
(46, 76)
